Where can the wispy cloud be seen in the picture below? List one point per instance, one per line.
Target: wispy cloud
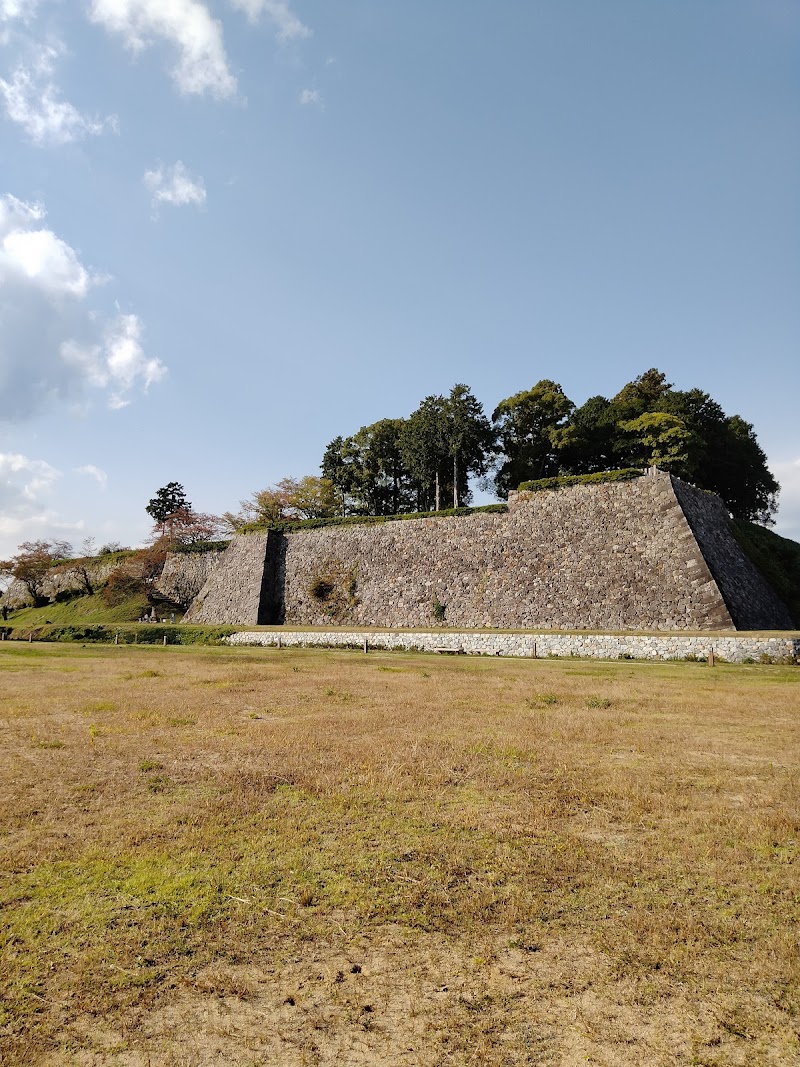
(311, 97)
(174, 185)
(288, 26)
(117, 363)
(99, 475)
(33, 100)
(186, 25)
(52, 342)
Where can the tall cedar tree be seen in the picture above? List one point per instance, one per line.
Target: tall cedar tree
(169, 499)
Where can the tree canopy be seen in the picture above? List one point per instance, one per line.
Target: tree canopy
(169, 499)
(426, 460)
(33, 563)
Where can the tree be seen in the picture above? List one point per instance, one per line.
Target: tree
(469, 437)
(664, 441)
(424, 447)
(33, 563)
(528, 426)
(169, 499)
(586, 442)
(183, 528)
(290, 499)
(368, 470)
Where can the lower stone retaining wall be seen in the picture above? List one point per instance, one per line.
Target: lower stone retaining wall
(731, 649)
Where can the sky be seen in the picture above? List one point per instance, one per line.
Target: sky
(231, 230)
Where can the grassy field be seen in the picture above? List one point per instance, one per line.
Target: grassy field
(219, 857)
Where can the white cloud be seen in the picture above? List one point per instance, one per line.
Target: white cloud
(99, 475)
(186, 25)
(287, 24)
(788, 474)
(29, 477)
(24, 486)
(34, 101)
(174, 185)
(52, 343)
(36, 257)
(310, 96)
(118, 363)
(17, 9)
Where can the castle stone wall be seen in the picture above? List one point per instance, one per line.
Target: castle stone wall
(233, 590)
(751, 601)
(185, 574)
(614, 556)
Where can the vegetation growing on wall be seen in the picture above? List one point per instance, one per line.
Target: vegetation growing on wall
(627, 474)
(777, 558)
(369, 520)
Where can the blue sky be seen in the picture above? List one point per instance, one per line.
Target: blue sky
(233, 229)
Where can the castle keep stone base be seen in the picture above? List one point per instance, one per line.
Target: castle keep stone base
(651, 554)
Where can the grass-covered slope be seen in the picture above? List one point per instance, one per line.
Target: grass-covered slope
(777, 558)
(80, 611)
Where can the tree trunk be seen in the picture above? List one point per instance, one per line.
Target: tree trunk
(438, 491)
(455, 480)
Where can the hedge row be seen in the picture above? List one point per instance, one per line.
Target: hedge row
(626, 474)
(144, 634)
(292, 525)
(201, 546)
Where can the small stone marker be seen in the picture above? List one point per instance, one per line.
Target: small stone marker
(711, 657)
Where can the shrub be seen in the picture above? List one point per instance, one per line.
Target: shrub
(322, 588)
(293, 525)
(563, 481)
(438, 610)
(121, 586)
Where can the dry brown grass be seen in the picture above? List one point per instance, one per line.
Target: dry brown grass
(250, 857)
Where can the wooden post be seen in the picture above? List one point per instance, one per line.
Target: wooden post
(165, 638)
(279, 640)
(533, 653)
(116, 638)
(30, 638)
(711, 657)
(366, 646)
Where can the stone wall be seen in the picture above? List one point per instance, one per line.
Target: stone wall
(63, 579)
(729, 649)
(615, 556)
(234, 590)
(185, 574)
(752, 603)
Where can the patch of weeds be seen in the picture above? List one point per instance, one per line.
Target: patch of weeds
(100, 705)
(151, 674)
(542, 700)
(338, 694)
(147, 765)
(49, 744)
(322, 587)
(158, 783)
(181, 720)
(599, 702)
